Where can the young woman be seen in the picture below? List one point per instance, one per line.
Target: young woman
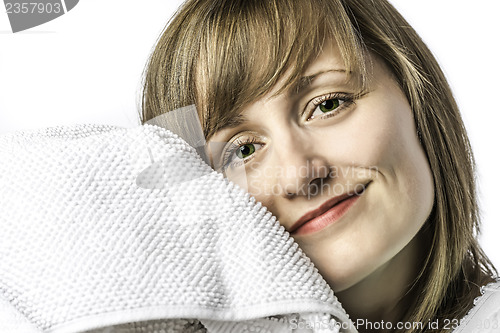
(336, 116)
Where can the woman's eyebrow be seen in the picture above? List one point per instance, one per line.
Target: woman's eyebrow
(231, 122)
(303, 82)
(307, 80)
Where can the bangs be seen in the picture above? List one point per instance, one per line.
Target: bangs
(246, 46)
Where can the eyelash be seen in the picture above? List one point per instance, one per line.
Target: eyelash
(347, 99)
(228, 155)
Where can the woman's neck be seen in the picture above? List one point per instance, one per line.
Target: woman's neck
(384, 296)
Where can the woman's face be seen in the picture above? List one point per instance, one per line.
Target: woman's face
(342, 169)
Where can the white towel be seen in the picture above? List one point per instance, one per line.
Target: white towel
(127, 230)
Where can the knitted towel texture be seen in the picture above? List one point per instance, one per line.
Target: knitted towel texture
(106, 229)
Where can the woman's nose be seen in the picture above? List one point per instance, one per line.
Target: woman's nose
(304, 171)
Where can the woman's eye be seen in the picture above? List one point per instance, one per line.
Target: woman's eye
(326, 106)
(240, 153)
(330, 105)
(245, 150)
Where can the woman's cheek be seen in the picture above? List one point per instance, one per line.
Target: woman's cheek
(366, 140)
(261, 185)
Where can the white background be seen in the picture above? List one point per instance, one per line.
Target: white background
(85, 67)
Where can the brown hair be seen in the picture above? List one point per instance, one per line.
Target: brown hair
(222, 54)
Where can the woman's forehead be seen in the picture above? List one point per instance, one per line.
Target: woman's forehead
(329, 56)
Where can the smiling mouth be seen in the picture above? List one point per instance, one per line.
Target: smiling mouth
(326, 214)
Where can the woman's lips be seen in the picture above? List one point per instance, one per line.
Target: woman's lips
(328, 213)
